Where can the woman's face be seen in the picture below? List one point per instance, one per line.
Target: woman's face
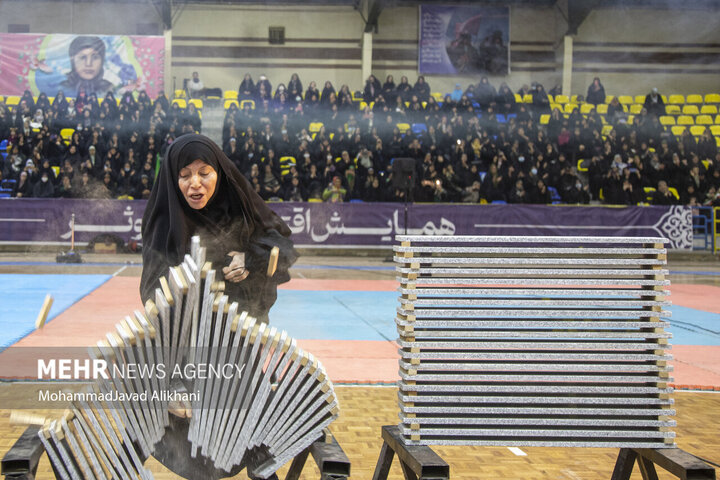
(197, 182)
(88, 63)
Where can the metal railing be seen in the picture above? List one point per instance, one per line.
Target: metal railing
(706, 225)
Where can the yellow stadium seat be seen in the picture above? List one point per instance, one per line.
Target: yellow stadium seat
(667, 120)
(197, 102)
(636, 108)
(640, 99)
(600, 194)
(674, 191)
(118, 99)
(697, 130)
(66, 134)
(407, 104)
(649, 191)
(706, 164)
(544, 118)
(602, 109)
(694, 99)
(625, 99)
(403, 127)
(180, 102)
(685, 120)
(569, 107)
(690, 110)
(331, 135)
(230, 94)
(550, 99)
(630, 119)
(703, 120)
(562, 99)
(179, 93)
(715, 129)
(709, 110)
(712, 98)
(231, 101)
(357, 96)
(608, 98)
(248, 102)
(676, 99)
(439, 96)
(314, 200)
(717, 141)
(586, 108)
(673, 109)
(12, 100)
(582, 165)
(606, 129)
(553, 106)
(363, 104)
(527, 98)
(315, 127)
(665, 99)
(518, 98)
(717, 119)
(287, 162)
(677, 130)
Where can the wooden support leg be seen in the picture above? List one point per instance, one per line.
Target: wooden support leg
(417, 462)
(647, 469)
(382, 469)
(297, 465)
(624, 464)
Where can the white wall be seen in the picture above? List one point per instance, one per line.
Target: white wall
(533, 29)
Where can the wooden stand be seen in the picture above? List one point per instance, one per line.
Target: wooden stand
(417, 462)
(21, 461)
(676, 461)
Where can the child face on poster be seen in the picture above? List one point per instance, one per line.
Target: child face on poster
(88, 63)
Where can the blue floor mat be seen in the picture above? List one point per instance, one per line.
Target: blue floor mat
(23, 296)
(336, 315)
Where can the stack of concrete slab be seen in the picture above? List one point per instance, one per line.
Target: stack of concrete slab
(534, 341)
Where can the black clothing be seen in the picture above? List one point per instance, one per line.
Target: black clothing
(235, 219)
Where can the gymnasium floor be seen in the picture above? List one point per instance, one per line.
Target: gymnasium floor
(342, 310)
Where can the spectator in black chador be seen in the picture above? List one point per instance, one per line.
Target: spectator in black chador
(596, 92)
(654, 103)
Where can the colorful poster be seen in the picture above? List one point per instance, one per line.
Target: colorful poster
(464, 40)
(96, 64)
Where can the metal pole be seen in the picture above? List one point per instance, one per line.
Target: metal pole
(72, 232)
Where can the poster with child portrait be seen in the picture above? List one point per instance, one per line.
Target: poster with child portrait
(92, 63)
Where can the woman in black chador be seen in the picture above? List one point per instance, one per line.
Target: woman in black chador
(87, 58)
(200, 192)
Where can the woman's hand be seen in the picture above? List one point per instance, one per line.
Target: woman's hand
(236, 271)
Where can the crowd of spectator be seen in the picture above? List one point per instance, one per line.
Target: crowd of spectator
(112, 152)
(295, 143)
